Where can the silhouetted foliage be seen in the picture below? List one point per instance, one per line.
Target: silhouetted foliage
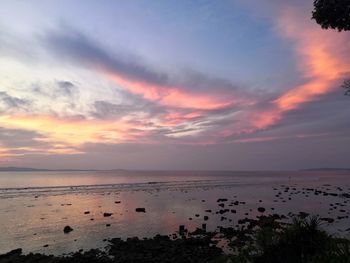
(346, 86)
(333, 14)
(301, 242)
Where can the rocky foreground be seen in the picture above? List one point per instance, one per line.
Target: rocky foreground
(262, 240)
(158, 249)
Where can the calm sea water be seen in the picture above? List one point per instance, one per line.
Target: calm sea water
(35, 206)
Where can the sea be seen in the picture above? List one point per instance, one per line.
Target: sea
(36, 206)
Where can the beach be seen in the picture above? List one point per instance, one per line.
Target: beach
(99, 206)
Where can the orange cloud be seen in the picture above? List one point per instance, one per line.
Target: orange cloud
(65, 135)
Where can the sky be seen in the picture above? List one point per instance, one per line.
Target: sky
(181, 85)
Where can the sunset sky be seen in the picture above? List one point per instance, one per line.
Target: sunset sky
(220, 85)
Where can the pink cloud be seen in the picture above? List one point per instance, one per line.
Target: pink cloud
(323, 58)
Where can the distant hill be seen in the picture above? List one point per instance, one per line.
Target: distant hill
(327, 169)
(19, 169)
(27, 169)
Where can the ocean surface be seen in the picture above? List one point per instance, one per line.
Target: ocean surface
(36, 206)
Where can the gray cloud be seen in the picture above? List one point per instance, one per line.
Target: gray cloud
(66, 87)
(13, 138)
(77, 48)
(10, 102)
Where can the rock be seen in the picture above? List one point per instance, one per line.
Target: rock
(17, 251)
(117, 202)
(345, 195)
(67, 229)
(303, 215)
(327, 219)
(45, 245)
(206, 218)
(107, 214)
(140, 210)
(107, 225)
(261, 209)
(87, 212)
(181, 228)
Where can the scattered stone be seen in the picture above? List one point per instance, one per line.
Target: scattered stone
(303, 215)
(140, 210)
(67, 229)
(107, 214)
(327, 219)
(181, 228)
(261, 209)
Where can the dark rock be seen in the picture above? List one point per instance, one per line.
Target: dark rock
(181, 228)
(107, 214)
(327, 219)
(261, 209)
(17, 251)
(223, 211)
(303, 214)
(67, 229)
(140, 210)
(87, 212)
